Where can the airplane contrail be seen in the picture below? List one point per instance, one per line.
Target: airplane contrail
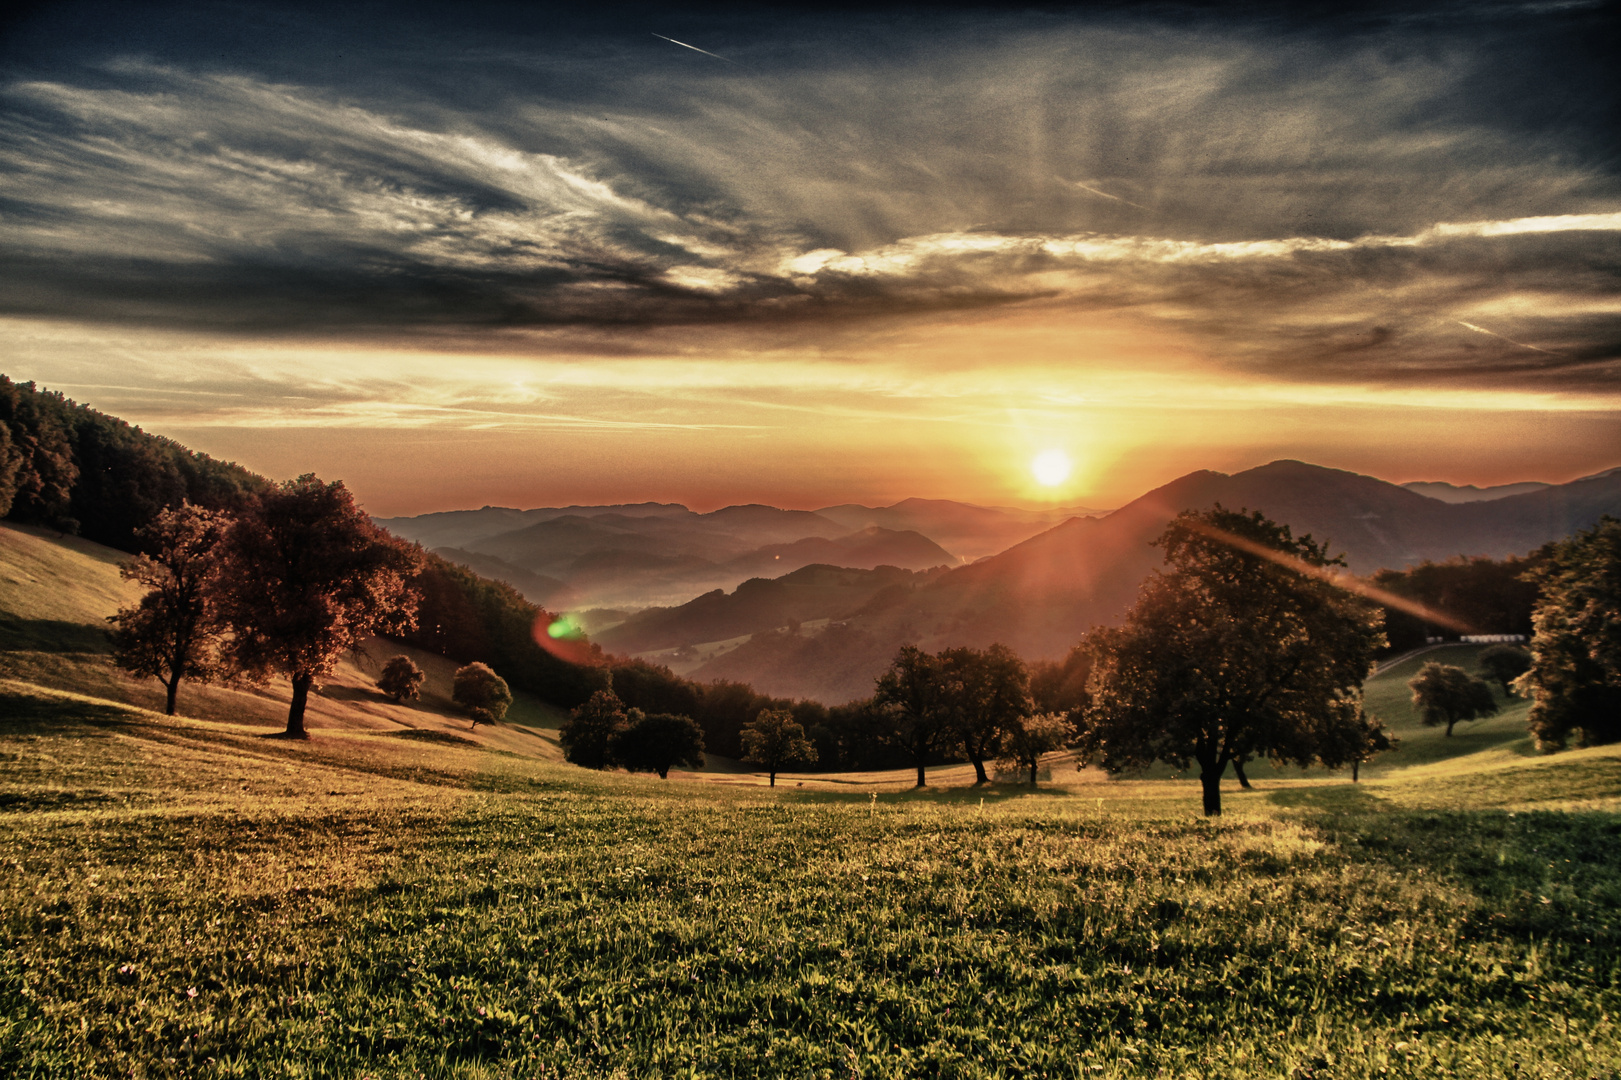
(694, 48)
(1104, 194)
(1495, 334)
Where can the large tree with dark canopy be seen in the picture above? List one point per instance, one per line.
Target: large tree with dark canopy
(985, 693)
(172, 634)
(1575, 676)
(910, 701)
(1244, 647)
(306, 578)
(587, 735)
(657, 743)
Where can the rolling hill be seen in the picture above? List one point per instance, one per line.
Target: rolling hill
(1040, 596)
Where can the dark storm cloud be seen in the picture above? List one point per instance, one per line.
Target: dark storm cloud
(1308, 193)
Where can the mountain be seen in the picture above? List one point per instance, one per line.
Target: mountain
(1041, 595)
(971, 531)
(760, 604)
(655, 553)
(458, 528)
(1453, 493)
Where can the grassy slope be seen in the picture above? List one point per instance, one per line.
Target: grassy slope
(187, 897)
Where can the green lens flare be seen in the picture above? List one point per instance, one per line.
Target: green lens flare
(564, 627)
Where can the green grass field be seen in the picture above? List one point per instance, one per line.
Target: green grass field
(402, 897)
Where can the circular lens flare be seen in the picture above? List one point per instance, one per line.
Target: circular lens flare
(564, 638)
(1051, 467)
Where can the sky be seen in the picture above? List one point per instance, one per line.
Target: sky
(530, 255)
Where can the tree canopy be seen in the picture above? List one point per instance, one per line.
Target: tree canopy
(657, 742)
(173, 633)
(306, 578)
(482, 693)
(400, 679)
(587, 735)
(1244, 647)
(1444, 694)
(910, 698)
(1029, 738)
(1575, 676)
(984, 694)
(1502, 664)
(774, 740)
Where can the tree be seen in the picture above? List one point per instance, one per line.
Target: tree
(11, 464)
(1450, 695)
(400, 679)
(1246, 647)
(983, 694)
(306, 578)
(774, 740)
(1505, 663)
(173, 633)
(482, 693)
(1353, 736)
(1575, 677)
(657, 742)
(587, 735)
(910, 699)
(1029, 737)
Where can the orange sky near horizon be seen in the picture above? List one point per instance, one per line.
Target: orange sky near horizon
(940, 407)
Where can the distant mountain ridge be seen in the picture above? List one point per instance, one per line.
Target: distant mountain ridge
(1041, 595)
(642, 554)
(1454, 493)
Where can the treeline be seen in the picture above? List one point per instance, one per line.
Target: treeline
(1490, 596)
(68, 467)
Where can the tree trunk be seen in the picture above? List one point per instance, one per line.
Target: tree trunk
(1238, 771)
(1356, 767)
(295, 712)
(1034, 763)
(172, 686)
(1449, 727)
(920, 781)
(773, 777)
(979, 770)
(1210, 780)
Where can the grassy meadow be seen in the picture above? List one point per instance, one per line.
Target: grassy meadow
(403, 897)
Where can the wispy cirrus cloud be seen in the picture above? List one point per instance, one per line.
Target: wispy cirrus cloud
(1308, 204)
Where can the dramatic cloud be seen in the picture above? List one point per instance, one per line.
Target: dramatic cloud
(1043, 223)
(1302, 200)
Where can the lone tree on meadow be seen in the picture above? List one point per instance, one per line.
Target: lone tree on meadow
(1244, 647)
(173, 633)
(400, 679)
(1029, 738)
(657, 742)
(910, 699)
(983, 694)
(481, 693)
(774, 740)
(307, 577)
(1450, 695)
(587, 735)
(1503, 664)
(1354, 736)
(1575, 677)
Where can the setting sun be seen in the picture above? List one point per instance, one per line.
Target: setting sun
(1051, 467)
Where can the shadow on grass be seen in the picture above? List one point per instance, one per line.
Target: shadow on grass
(993, 794)
(1340, 797)
(28, 710)
(52, 636)
(430, 736)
